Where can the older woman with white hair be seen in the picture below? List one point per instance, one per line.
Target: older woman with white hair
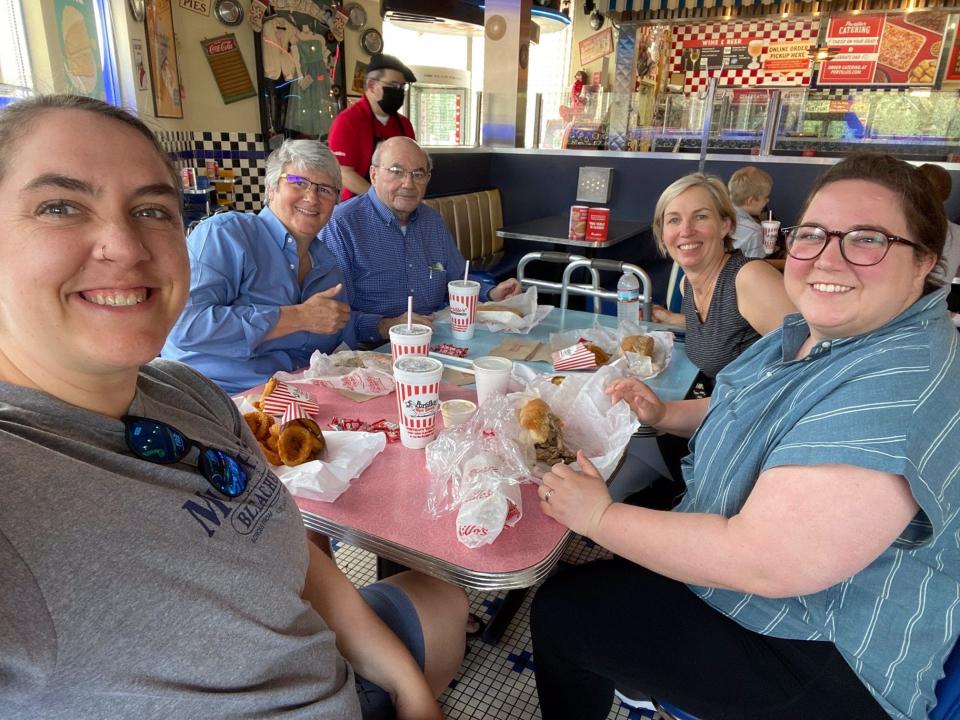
(264, 291)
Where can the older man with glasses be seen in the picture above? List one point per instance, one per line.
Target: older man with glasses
(389, 245)
(358, 130)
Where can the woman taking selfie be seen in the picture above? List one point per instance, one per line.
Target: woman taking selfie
(152, 564)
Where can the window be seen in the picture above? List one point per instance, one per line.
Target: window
(16, 76)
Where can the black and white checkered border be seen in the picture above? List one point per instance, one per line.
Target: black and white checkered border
(244, 153)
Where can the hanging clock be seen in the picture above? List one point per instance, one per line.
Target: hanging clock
(136, 9)
(356, 16)
(371, 41)
(228, 12)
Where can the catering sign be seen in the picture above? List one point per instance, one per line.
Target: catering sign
(884, 49)
(854, 43)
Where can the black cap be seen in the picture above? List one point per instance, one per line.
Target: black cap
(389, 62)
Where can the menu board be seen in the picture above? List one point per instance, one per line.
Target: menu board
(884, 49)
(725, 54)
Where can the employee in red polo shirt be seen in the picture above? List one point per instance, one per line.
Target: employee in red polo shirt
(373, 118)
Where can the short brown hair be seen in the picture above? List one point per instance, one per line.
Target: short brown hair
(16, 118)
(721, 203)
(922, 211)
(749, 182)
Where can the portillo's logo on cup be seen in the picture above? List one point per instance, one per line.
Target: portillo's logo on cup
(463, 307)
(418, 398)
(420, 408)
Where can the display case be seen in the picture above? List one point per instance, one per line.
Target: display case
(912, 124)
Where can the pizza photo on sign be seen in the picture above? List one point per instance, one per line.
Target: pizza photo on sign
(910, 48)
(899, 47)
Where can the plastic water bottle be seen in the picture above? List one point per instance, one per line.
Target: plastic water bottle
(628, 298)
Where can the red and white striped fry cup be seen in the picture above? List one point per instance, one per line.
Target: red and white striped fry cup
(575, 357)
(418, 398)
(463, 307)
(414, 340)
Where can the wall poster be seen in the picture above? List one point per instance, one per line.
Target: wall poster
(79, 47)
(228, 68)
(162, 56)
(300, 63)
(596, 46)
(883, 49)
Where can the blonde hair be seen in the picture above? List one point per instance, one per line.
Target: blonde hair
(749, 182)
(721, 203)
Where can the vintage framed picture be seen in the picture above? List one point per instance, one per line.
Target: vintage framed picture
(162, 59)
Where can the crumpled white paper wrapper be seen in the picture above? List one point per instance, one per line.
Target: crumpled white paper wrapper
(340, 371)
(477, 468)
(590, 421)
(507, 322)
(638, 366)
(347, 455)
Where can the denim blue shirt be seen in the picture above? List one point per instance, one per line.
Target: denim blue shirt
(243, 268)
(382, 264)
(889, 401)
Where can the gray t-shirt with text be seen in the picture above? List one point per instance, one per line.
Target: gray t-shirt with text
(135, 590)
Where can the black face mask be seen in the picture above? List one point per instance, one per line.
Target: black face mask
(392, 99)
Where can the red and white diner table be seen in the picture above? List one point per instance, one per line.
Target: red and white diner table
(384, 510)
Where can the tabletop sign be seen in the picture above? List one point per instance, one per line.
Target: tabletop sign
(228, 68)
(596, 46)
(200, 7)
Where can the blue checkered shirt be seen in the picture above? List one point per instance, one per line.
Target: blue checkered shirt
(382, 265)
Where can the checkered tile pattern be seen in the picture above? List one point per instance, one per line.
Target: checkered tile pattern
(495, 682)
(741, 32)
(244, 153)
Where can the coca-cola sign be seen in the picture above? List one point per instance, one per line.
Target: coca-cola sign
(221, 45)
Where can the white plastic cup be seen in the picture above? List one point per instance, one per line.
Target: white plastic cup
(463, 307)
(415, 341)
(492, 375)
(418, 398)
(457, 412)
(771, 235)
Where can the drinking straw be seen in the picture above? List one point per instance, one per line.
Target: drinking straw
(466, 271)
(769, 214)
(409, 313)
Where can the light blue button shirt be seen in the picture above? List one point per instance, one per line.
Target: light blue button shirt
(887, 401)
(243, 268)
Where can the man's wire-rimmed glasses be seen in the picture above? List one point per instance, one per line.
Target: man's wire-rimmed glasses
(399, 174)
(859, 246)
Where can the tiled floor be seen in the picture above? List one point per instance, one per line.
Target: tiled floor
(495, 681)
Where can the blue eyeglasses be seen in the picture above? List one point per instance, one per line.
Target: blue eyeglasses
(157, 442)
